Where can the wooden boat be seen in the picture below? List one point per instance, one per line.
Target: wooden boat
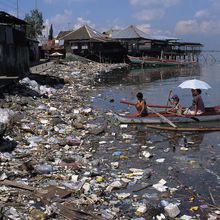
(153, 61)
(211, 114)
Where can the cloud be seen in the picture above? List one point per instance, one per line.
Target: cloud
(187, 27)
(201, 14)
(61, 18)
(81, 21)
(65, 21)
(60, 21)
(149, 14)
(148, 10)
(210, 27)
(206, 27)
(164, 3)
(215, 3)
(152, 31)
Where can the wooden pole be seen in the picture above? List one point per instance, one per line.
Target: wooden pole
(182, 129)
(17, 10)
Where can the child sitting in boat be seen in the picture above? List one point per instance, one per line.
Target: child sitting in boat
(176, 107)
(141, 105)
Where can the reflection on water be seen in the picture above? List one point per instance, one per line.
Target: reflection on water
(137, 76)
(149, 75)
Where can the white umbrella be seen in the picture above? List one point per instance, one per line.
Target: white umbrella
(56, 54)
(194, 84)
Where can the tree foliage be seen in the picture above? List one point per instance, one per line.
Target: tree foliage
(50, 36)
(35, 21)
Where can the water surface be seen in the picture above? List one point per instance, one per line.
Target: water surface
(199, 166)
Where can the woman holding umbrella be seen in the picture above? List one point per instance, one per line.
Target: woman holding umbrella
(198, 106)
(195, 85)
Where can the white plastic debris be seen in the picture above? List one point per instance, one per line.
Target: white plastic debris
(114, 165)
(161, 216)
(76, 111)
(116, 184)
(144, 147)
(152, 147)
(74, 178)
(87, 110)
(185, 217)
(146, 154)
(172, 210)
(3, 176)
(86, 188)
(141, 210)
(161, 160)
(137, 172)
(44, 121)
(127, 136)
(13, 214)
(122, 195)
(6, 115)
(160, 186)
(167, 150)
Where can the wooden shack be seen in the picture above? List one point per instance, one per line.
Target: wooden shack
(89, 43)
(14, 50)
(138, 43)
(135, 41)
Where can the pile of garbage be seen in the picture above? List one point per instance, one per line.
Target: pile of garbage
(70, 161)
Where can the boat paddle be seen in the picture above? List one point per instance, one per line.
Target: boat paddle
(168, 100)
(162, 117)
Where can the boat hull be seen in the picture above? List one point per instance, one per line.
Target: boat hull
(158, 62)
(155, 119)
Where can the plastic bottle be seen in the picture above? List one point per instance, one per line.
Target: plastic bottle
(44, 169)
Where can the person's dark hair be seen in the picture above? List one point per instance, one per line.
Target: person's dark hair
(199, 91)
(175, 98)
(139, 95)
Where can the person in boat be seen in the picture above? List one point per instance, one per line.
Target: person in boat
(141, 105)
(176, 106)
(198, 106)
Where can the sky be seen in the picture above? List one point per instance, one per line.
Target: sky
(189, 20)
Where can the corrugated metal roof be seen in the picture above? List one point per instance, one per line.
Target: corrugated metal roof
(130, 32)
(85, 33)
(6, 18)
(111, 31)
(62, 34)
(162, 37)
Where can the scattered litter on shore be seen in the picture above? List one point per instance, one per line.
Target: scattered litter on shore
(68, 160)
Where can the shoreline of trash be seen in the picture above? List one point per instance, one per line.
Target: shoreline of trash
(55, 162)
